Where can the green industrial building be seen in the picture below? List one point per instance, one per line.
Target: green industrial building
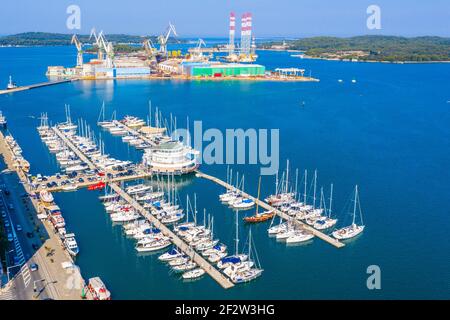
(227, 70)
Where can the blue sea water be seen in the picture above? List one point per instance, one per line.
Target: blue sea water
(389, 133)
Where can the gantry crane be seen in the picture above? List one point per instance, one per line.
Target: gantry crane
(79, 46)
(162, 39)
(97, 43)
(109, 49)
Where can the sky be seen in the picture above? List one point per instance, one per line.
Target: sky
(209, 18)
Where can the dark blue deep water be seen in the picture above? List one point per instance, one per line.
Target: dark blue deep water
(389, 133)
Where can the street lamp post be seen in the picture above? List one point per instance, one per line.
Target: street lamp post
(35, 287)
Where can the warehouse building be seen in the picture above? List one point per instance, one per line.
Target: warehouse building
(226, 70)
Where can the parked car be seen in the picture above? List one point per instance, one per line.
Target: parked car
(10, 237)
(34, 267)
(19, 227)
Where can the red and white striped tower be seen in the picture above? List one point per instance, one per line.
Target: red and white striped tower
(232, 32)
(246, 33)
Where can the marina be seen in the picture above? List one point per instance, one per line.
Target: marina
(81, 151)
(312, 270)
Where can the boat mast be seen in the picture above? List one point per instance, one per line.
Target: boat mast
(276, 183)
(306, 183)
(187, 208)
(287, 177)
(354, 205)
(204, 217)
(315, 186)
(195, 208)
(249, 244)
(296, 182)
(322, 201)
(236, 250)
(259, 189)
(331, 200)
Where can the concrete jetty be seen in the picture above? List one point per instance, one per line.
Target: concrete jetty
(266, 206)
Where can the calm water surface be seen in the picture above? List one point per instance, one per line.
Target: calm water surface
(389, 133)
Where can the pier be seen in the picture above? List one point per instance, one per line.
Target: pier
(183, 246)
(37, 85)
(266, 206)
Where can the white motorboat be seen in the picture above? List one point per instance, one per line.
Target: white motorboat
(216, 256)
(124, 216)
(70, 187)
(246, 275)
(185, 267)
(45, 196)
(193, 274)
(71, 244)
(179, 261)
(170, 255)
(139, 188)
(299, 236)
(153, 246)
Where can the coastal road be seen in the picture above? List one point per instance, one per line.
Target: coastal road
(21, 253)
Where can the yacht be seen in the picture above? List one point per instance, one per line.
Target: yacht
(248, 270)
(237, 257)
(352, 230)
(124, 216)
(179, 261)
(46, 196)
(300, 236)
(3, 122)
(185, 267)
(71, 244)
(136, 189)
(193, 274)
(246, 275)
(153, 246)
(171, 158)
(133, 122)
(243, 203)
(216, 256)
(171, 255)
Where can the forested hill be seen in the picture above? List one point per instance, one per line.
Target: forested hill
(55, 39)
(375, 48)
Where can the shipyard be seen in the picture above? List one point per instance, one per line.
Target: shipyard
(232, 61)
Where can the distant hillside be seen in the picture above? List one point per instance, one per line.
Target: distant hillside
(374, 48)
(61, 39)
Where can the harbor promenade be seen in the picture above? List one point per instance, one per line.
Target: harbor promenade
(59, 283)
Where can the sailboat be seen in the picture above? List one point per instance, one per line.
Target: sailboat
(237, 257)
(259, 217)
(102, 122)
(326, 222)
(246, 272)
(352, 230)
